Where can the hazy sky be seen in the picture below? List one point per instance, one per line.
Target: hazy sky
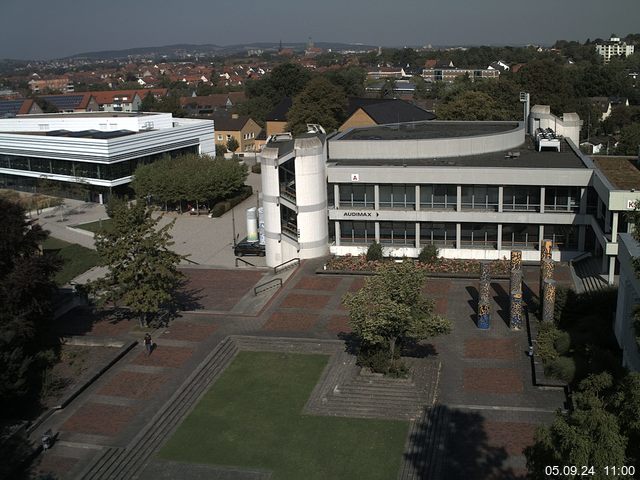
(42, 29)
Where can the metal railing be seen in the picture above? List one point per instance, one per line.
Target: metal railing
(285, 265)
(274, 282)
(191, 261)
(243, 261)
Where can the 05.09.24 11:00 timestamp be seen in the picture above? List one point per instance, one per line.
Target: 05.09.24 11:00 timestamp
(573, 471)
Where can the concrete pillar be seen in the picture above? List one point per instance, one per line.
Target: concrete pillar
(599, 208)
(376, 197)
(582, 232)
(614, 227)
(417, 198)
(458, 236)
(484, 297)
(459, 198)
(583, 201)
(337, 230)
(377, 227)
(500, 199)
(500, 235)
(612, 269)
(336, 195)
(605, 262)
(607, 221)
(540, 237)
(542, 192)
(417, 234)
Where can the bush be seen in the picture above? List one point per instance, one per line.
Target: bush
(428, 254)
(257, 168)
(547, 335)
(218, 209)
(374, 252)
(562, 343)
(377, 359)
(562, 368)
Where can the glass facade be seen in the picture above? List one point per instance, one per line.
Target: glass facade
(479, 197)
(564, 237)
(93, 170)
(357, 233)
(441, 197)
(398, 196)
(441, 234)
(521, 198)
(521, 236)
(562, 199)
(479, 235)
(398, 233)
(356, 195)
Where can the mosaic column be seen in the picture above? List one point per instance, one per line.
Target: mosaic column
(549, 300)
(515, 297)
(516, 260)
(484, 297)
(546, 273)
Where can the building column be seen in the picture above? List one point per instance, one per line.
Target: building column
(500, 235)
(614, 227)
(377, 227)
(612, 269)
(337, 230)
(417, 199)
(582, 231)
(607, 221)
(605, 260)
(540, 237)
(417, 234)
(458, 198)
(500, 201)
(542, 193)
(336, 196)
(458, 236)
(599, 208)
(376, 199)
(583, 201)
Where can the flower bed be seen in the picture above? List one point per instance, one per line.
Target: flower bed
(359, 263)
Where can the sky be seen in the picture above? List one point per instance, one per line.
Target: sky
(45, 29)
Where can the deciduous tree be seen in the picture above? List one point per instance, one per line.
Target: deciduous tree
(320, 102)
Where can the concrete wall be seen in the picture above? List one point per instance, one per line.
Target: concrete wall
(568, 126)
(628, 299)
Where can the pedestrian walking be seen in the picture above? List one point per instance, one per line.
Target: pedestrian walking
(148, 343)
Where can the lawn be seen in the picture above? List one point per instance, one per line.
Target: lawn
(95, 227)
(77, 259)
(252, 417)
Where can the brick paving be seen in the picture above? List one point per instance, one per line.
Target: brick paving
(291, 321)
(82, 321)
(297, 300)
(339, 324)
(319, 283)
(133, 385)
(499, 348)
(54, 466)
(514, 437)
(493, 380)
(164, 356)
(218, 289)
(99, 419)
(189, 331)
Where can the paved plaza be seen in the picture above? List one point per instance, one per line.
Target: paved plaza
(478, 384)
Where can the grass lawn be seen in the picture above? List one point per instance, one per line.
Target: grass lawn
(77, 259)
(252, 417)
(96, 226)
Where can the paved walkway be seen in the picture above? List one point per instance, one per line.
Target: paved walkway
(485, 409)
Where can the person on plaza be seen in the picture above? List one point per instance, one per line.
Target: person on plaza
(148, 344)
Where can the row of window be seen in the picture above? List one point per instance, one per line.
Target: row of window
(477, 235)
(112, 171)
(443, 197)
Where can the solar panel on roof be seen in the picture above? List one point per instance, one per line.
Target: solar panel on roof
(10, 106)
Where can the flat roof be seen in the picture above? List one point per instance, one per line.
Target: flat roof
(528, 157)
(622, 172)
(427, 130)
(95, 134)
(90, 114)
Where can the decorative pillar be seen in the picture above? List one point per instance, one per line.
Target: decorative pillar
(546, 273)
(484, 297)
(515, 310)
(515, 291)
(516, 260)
(549, 300)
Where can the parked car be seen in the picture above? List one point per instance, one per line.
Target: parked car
(245, 247)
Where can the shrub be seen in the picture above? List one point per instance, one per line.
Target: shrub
(374, 253)
(547, 335)
(218, 209)
(562, 343)
(562, 368)
(428, 254)
(257, 168)
(377, 359)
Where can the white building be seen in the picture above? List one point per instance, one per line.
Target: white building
(98, 150)
(474, 189)
(628, 301)
(614, 48)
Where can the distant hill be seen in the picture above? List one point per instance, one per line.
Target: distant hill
(182, 50)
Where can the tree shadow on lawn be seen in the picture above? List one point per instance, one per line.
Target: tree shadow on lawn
(453, 444)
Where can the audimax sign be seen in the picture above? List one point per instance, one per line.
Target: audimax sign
(360, 214)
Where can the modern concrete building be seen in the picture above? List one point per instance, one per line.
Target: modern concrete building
(628, 302)
(98, 151)
(473, 189)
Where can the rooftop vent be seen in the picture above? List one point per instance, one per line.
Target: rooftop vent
(280, 137)
(512, 155)
(547, 138)
(315, 128)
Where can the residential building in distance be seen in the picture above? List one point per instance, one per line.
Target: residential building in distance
(209, 104)
(25, 106)
(125, 100)
(614, 48)
(242, 128)
(447, 72)
(607, 104)
(475, 190)
(387, 72)
(96, 151)
(72, 103)
(61, 84)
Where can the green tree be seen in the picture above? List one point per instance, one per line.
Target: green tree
(472, 105)
(232, 144)
(351, 79)
(388, 89)
(220, 150)
(26, 290)
(629, 143)
(149, 103)
(142, 271)
(391, 310)
(320, 102)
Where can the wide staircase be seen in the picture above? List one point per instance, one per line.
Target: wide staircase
(117, 463)
(588, 273)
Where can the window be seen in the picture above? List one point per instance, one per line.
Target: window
(441, 234)
(562, 199)
(521, 198)
(358, 233)
(398, 196)
(520, 236)
(398, 233)
(356, 195)
(438, 196)
(479, 235)
(563, 236)
(219, 137)
(479, 197)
